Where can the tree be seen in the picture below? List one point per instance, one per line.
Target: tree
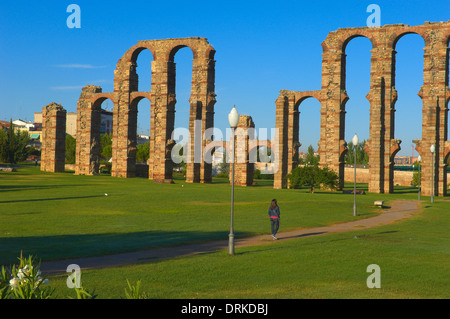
(311, 159)
(415, 179)
(313, 176)
(71, 145)
(361, 156)
(14, 145)
(3, 146)
(143, 152)
(105, 146)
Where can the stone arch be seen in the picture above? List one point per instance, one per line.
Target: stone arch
(97, 101)
(126, 77)
(99, 98)
(198, 51)
(334, 96)
(382, 145)
(131, 55)
(349, 111)
(392, 43)
(407, 109)
(135, 98)
(302, 96)
(397, 35)
(297, 143)
(287, 126)
(87, 154)
(202, 100)
(173, 51)
(179, 84)
(162, 100)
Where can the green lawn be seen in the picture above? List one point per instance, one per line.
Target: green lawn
(62, 215)
(413, 256)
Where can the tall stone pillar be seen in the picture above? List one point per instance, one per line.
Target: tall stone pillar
(162, 121)
(124, 128)
(201, 118)
(333, 98)
(375, 145)
(293, 132)
(53, 149)
(281, 147)
(384, 62)
(195, 148)
(434, 115)
(382, 146)
(244, 138)
(88, 133)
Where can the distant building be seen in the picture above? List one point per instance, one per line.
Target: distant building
(37, 117)
(4, 125)
(34, 130)
(106, 122)
(21, 125)
(404, 160)
(71, 124)
(142, 139)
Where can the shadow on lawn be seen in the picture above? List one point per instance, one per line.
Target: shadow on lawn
(48, 199)
(48, 248)
(13, 188)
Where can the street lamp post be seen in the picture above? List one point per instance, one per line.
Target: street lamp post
(432, 149)
(233, 119)
(419, 159)
(355, 141)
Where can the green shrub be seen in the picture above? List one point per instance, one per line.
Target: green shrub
(313, 177)
(133, 292)
(24, 281)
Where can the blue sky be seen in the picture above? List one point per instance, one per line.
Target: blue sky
(261, 47)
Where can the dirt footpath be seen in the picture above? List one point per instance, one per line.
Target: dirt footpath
(399, 210)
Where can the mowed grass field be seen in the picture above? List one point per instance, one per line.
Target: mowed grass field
(55, 216)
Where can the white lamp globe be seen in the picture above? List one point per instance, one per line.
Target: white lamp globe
(432, 148)
(355, 140)
(419, 158)
(233, 117)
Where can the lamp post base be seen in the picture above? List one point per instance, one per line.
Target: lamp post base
(231, 244)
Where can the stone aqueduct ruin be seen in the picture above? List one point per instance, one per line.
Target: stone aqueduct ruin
(162, 98)
(381, 147)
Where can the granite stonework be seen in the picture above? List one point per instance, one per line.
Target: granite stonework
(162, 98)
(53, 137)
(382, 145)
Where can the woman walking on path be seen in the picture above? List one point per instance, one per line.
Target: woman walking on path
(274, 214)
